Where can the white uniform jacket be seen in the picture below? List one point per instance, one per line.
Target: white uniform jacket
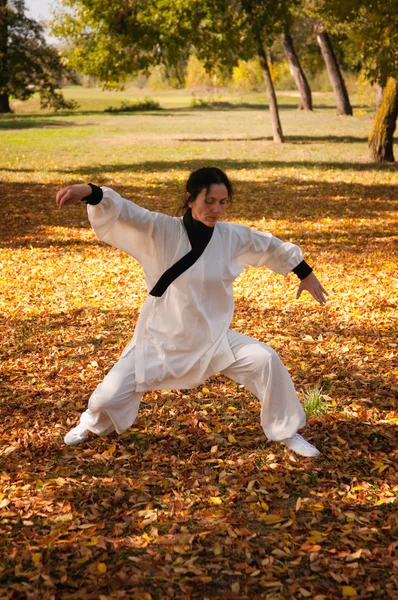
(181, 338)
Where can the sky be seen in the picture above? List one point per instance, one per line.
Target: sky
(39, 9)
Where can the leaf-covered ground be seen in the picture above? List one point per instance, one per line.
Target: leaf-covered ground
(192, 502)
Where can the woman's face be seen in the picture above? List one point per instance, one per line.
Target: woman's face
(209, 205)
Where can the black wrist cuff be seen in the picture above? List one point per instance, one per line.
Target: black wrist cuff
(302, 270)
(96, 195)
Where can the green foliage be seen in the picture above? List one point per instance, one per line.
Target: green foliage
(28, 63)
(115, 41)
(147, 104)
(313, 402)
(370, 27)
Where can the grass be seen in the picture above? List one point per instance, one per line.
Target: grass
(314, 403)
(230, 510)
(144, 105)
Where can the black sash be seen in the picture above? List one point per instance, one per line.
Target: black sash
(199, 236)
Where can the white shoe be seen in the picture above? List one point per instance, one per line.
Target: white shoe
(77, 435)
(298, 444)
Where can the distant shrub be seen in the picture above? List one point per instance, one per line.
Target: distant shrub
(199, 102)
(247, 76)
(147, 104)
(196, 75)
(366, 93)
(313, 403)
(209, 103)
(281, 76)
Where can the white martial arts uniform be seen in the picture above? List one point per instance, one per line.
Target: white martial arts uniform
(183, 337)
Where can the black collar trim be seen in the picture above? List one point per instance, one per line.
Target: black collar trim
(199, 236)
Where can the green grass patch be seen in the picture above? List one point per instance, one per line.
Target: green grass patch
(313, 403)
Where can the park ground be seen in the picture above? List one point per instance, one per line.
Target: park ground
(192, 502)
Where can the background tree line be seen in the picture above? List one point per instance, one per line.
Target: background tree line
(113, 42)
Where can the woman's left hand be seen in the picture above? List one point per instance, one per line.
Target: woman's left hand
(314, 287)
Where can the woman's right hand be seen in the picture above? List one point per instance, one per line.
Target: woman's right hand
(72, 194)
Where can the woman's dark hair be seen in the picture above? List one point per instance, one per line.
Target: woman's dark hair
(204, 178)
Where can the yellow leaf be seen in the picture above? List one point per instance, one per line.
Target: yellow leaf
(318, 506)
(287, 524)
(205, 390)
(348, 591)
(305, 592)
(101, 567)
(272, 519)
(36, 558)
(92, 542)
(111, 449)
(217, 549)
(235, 587)
(215, 500)
(232, 439)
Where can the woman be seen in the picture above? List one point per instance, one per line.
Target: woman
(182, 336)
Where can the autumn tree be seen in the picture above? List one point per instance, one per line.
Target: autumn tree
(229, 31)
(28, 63)
(116, 40)
(113, 41)
(372, 28)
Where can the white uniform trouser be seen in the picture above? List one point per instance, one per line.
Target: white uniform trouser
(114, 404)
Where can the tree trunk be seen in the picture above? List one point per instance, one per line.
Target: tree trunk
(273, 105)
(381, 137)
(5, 104)
(4, 79)
(297, 72)
(335, 76)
